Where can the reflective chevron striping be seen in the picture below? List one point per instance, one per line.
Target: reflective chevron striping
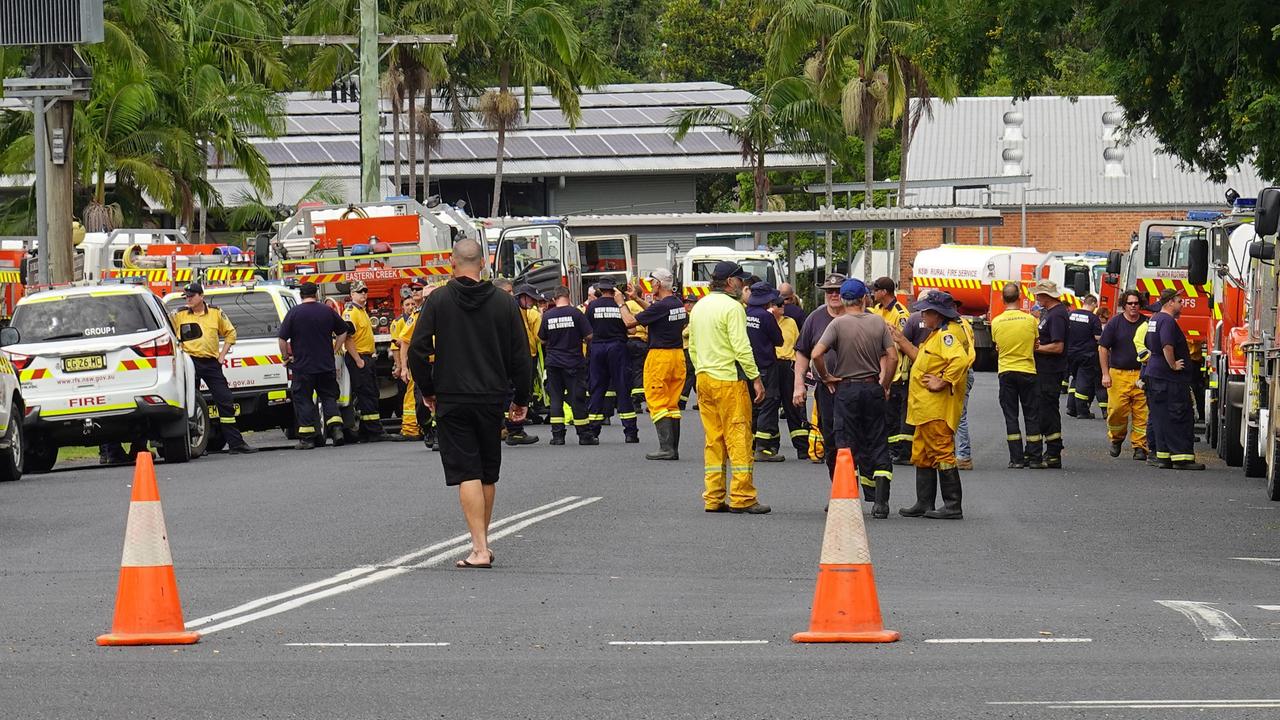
(34, 374)
(139, 364)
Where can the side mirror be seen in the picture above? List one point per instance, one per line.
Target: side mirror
(262, 250)
(1198, 261)
(1114, 258)
(190, 331)
(1258, 250)
(1266, 220)
(1080, 284)
(9, 336)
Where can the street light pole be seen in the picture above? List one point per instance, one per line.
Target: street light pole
(42, 198)
(370, 138)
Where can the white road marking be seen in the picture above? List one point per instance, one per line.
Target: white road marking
(1144, 704)
(369, 644)
(366, 569)
(362, 576)
(1273, 562)
(689, 642)
(957, 641)
(1268, 607)
(1213, 623)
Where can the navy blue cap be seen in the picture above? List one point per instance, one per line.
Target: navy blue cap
(726, 269)
(606, 284)
(762, 293)
(939, 302)
(194, 288)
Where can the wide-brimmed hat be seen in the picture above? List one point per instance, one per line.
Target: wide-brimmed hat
(833, 281)
(940, 302)
(762, 293)
(1046, 287)
(528, 290)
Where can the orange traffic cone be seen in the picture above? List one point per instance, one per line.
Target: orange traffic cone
(147, 608)
(845, 608)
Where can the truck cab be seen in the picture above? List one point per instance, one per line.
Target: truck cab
(693, 271)
(543, 254)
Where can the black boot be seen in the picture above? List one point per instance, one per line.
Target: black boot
(675, 438)
(950, 481)
(926, 493)
(557, 434)
(663, 430)
(880, 510)
(588, 435)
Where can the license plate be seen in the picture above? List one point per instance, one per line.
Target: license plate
(83, 363)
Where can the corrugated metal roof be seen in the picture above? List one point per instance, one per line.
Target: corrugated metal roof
(1062, 147)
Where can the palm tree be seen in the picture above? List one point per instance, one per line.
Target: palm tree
(256, 211)
(527, 43)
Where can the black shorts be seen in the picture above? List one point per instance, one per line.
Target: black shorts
(470, 437)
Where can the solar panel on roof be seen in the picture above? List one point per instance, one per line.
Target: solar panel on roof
(482, 148)
(522, 148)
(342, 151)
(310, 153)
(590, 145)
(556, 146)
(657, 144)
(316, 125)
(275, 153)
(626, 145)
(697, 142)
(452, 149)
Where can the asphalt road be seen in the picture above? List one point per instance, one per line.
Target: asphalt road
(283, 557)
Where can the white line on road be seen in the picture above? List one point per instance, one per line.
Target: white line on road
(1273, 562)
(1143, 704)
(1213, 623)
(369, 575)
(957, 641)
(1268, 607)
(365, 569)
(689, 642)
(369, 644)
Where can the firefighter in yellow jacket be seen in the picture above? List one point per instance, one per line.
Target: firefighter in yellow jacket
(359, 359)
(939, 368)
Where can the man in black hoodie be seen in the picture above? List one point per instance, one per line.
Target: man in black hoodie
(466, 379)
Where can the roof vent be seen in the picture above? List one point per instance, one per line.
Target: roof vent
(1111, 121)
(1012, 161)
(1114, 158)
(50, 22)
(1013, 126)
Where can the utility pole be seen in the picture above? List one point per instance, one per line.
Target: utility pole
(370, 93)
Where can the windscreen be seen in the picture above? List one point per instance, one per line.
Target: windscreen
(253, 314)
(762, 269)
(83, 316)
(1169, 246)
(602, 256)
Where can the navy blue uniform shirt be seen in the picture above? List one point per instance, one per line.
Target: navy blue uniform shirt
(665, 320)
(562, 332)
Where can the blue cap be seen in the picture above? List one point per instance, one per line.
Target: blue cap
(853, 289)
(762, 293)
(726, 269)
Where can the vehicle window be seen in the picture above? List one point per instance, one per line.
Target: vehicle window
(603, 255)
(84, 316)
(762, 269)
(1169, 246)
(1098, 272)
(253, 314)
(520, 247)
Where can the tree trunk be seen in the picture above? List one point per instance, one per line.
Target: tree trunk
(504, 83)
(762, 192)
(411, 90)
(831, 263)
(428, 105)
(204, 173)
(902, 164)
(868, 201)
(397, 98)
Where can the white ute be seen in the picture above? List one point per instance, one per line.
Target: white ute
(100, 364)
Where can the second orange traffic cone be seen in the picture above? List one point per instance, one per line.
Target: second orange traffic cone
(148, 611)
(845, 606)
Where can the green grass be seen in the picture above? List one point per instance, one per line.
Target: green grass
(77, 453)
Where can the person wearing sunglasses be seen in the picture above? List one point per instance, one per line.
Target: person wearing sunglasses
(359, 360)
(1120, 366)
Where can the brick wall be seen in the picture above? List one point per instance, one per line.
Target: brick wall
(1047, 231)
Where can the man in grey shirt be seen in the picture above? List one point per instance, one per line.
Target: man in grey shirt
(859, 378)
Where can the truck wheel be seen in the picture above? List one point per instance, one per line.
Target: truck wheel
(1211, 420)
(1255, 465)
(1273, 485)
(11, 460)
(201, 433)
(39, 457)
(1229, 447)
(984, 359)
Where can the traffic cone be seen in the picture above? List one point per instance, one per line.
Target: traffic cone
(148, 611)
(845, 608)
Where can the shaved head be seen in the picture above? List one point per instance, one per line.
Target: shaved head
(467, 259)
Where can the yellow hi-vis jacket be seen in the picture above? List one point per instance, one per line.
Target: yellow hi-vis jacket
(946, 355)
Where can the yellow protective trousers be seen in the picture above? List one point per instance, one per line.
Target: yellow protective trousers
(409, 412)
(664, 375)
(725, 408)
(1125, 402)
(934, 446)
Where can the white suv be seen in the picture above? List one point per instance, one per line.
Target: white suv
(12, 409)
(105, 364)
(255, 371)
